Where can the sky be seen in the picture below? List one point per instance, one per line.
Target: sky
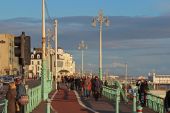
(139, 31)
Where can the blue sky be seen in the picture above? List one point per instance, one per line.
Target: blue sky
(60, 8)
(139, 31)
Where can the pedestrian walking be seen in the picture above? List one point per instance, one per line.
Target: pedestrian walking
(11, 97)
(21, 97)
(87, 87)
(97, 89)
(167, 102)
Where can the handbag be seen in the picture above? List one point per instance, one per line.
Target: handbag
(24, 100)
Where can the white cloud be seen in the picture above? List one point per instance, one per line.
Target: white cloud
(115, 65)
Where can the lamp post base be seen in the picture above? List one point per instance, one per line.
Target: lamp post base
(100, 74)
(44, 80)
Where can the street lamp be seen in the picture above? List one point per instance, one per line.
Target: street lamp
(82, 46)
(100, 19)
(126, 79)
(44, 60)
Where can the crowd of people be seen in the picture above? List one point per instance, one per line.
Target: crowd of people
(16, 96)
(86, 85)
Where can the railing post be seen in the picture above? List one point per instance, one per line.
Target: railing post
(6, 103)
(134, 102)
(117, 100)
(48, 106)
(139, 109)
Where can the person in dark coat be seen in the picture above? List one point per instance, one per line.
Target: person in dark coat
(97, 88)
(11, 97)
(167, 102)
(21, 91)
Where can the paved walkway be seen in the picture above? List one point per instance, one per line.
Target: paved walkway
(65, 101)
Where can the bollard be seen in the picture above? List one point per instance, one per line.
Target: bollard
(48, 106)
(139, 109)
(134, 102)
(117, 100)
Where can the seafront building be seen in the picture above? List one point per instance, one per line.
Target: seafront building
(65, 63)
(159, 80)
(35, 65)
(9, 63)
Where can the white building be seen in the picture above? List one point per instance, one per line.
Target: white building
(65, 63)
(36, 64)
(159, 79)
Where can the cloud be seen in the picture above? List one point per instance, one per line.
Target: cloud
(75, 29)
(163, 7)
(115, 65)
(141, 41)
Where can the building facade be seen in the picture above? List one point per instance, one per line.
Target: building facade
(159, 79)
(9, 63)
(35, 66)
(65, 63)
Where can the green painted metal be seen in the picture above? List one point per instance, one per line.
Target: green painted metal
(34, 98)
(39, 93)
(48, 106)
(44, 80)
(134, 102)
(112, 94)
(117, 100)
(4, 103)
(122, 92)
(140, 109)
(100, 74)
(155, 102)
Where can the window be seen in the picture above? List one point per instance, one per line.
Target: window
(38, 56)
(38, 62)
(54, 64)
(32, 63)
(38, 68)
(32, 56)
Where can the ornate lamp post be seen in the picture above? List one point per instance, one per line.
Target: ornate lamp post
(126, 65)
(82, 46)
(100, 19)
(44, 60)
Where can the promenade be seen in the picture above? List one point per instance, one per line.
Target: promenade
(65, 101)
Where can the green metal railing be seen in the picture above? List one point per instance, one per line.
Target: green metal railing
(112, 94)
(116, 84)
(4, 104)
(35, 98)
(155, 102)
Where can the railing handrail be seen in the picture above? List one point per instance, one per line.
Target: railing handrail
(154, 102)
